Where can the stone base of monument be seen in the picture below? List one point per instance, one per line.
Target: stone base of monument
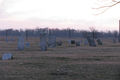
(7, 56)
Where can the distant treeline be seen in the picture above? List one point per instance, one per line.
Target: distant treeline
(61, 33)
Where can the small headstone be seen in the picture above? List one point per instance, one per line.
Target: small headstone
(12, 39)
(69, 41)
(72, 41)
(7, 40)
(85, 41)
(99, 42)
(91, 41)
(114, 40)
(59, 43)
(43, 43)
(78, 43)
(7, 56)
(27, 44)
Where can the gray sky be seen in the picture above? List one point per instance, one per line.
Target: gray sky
(60, 14)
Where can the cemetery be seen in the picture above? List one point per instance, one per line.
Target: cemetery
(67, 61)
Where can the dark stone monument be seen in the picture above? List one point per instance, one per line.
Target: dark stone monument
(91, 41)
(43, 43)
(99, 42)
(59, 43)
(7, 56)
(72, 41)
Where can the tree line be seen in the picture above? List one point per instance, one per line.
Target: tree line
(61, 32)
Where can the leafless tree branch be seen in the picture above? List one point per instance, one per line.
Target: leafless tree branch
(113, 3)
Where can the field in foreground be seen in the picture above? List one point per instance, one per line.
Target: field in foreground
(66, 62)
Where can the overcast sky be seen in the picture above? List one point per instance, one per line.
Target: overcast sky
(77, 14)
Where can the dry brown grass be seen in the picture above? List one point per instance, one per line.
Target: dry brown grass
(66, 62)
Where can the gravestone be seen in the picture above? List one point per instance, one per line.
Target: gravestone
(72, 41)
(43, 43)
(69, 41)
(91, 41)
(99, 42)
(39, 43)
(12, 39)
(20, 43)
(114, 40)
(7, 39)
(59, 43)
(27, 44)
(51, 41)
(7, 56)
(77, 43)
(85, 41)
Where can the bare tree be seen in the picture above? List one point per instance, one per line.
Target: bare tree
(94, 32)
(106, 4)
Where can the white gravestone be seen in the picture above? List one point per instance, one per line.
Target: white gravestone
(21, 43)
(43, 43)
(7, 56)
(85, 41)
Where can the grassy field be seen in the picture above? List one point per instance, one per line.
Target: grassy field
(66, 62)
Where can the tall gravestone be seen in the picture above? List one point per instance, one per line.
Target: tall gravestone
(85, 41)
(21, 43)
(99, 42)
(7, 39)
(27, 43)
(51, 41)
(12, 39)
(43, 43)
(114, 40)
(91, 41)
